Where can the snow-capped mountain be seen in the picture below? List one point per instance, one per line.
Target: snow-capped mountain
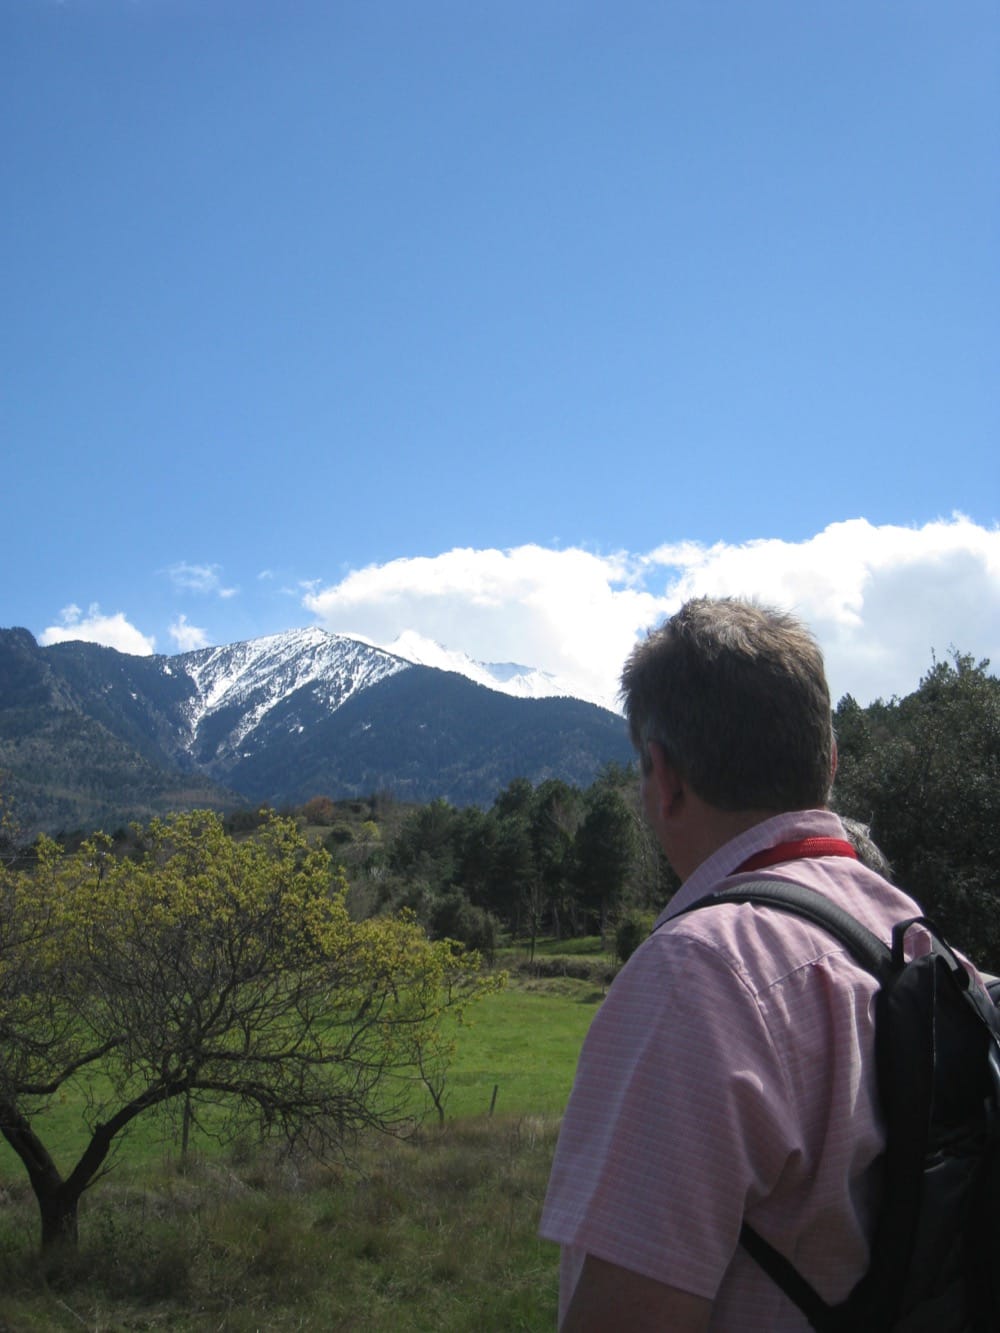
(245, 682)
(242, 688)
(88, 733)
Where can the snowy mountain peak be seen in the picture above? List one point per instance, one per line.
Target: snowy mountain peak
(242, 692)
(279, 720)
(253, 677)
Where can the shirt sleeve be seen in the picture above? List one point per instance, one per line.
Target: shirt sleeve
(679, 1119)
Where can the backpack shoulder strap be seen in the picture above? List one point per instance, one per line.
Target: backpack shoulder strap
(822, 1317)
(865, 948)
(875, 957)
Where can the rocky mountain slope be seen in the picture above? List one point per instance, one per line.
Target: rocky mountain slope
(89, 734)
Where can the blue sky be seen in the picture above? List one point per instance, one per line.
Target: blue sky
(509, 324)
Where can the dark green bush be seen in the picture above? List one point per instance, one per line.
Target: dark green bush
(632, 929)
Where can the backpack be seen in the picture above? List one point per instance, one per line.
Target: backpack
(935, 1257)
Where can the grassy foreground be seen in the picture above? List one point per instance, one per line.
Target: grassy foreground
(435, 1232)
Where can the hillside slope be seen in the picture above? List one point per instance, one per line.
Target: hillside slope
(88, 734)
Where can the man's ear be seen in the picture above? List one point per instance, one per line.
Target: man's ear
(669, 785)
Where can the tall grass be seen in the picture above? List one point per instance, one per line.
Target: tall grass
(434, 1233)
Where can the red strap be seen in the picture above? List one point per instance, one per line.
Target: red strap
(797, 851)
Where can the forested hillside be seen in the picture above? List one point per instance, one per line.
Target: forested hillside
(560, 858)
(92, 736)
(922, 771)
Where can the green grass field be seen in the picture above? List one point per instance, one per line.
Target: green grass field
(437, 1232)
(524, 1041)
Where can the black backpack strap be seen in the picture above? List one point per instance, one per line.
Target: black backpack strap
(784, 1274)
(875, 957)
(865, 948)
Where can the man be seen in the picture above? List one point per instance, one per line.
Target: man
(729, 1074)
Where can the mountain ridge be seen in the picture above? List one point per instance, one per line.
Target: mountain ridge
(87, 729)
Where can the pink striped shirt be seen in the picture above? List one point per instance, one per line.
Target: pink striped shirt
(729, 1074)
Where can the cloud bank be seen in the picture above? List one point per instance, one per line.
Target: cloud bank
(112, 631)
(881, 600)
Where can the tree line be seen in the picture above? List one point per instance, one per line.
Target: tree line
(552, 859)
(922, 771)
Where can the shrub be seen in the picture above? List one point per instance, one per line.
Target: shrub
(632, 929)
(453, 917)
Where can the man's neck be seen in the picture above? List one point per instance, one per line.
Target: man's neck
(711, 829)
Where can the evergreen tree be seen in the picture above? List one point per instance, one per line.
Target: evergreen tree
(924, 771)
(603, 851)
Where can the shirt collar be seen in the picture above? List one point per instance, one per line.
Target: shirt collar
(787, 827)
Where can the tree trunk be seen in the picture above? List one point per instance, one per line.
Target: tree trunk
(57, 1200)
(186, 1119)
(59, 1209)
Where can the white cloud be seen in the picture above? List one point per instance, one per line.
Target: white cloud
(94, 627)
(881, 600)
(572, 613)
(199, 578)
(188, 637)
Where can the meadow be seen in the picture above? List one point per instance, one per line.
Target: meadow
(435, 1231)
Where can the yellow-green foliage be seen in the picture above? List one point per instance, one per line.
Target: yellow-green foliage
(226, 974)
